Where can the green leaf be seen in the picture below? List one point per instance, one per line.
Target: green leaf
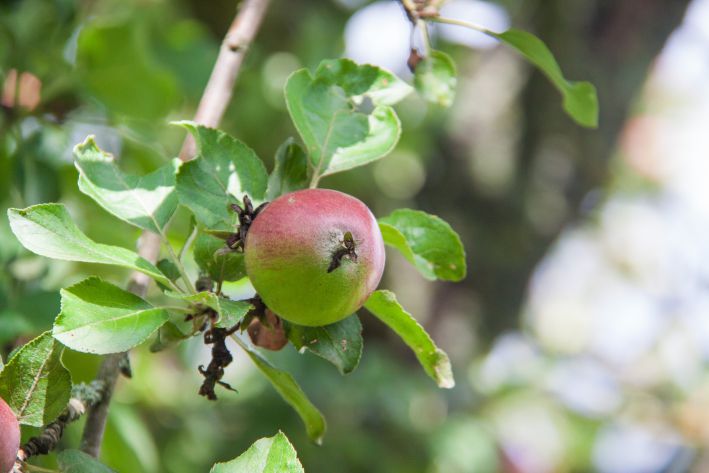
(48, 230)
(267, 455)
(358, 80)
(214, 258)
(222, 173)
(75, 461)
(427, 242)
(329, 110)
(339, 343)
(435, 362)
(231, 312)
(168, 336)
(290, 171)
(169, 269)
(289, 390)
(223, 235)
(147, 202)
(580, 100)
(35, 383)
(98, 317)
(435, 78)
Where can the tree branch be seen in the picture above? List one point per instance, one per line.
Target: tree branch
(212, 106)
(218, 92)
(148, 248)
(83, 397)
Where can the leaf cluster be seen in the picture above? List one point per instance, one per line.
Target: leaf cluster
(344, 115)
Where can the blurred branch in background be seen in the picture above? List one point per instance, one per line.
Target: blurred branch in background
(215, 99)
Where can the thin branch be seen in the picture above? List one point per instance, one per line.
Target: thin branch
(218, 92)
(148, 248)
(215, 99)
(423, 27)
(83, 397)
(464, 24)
(410, 9)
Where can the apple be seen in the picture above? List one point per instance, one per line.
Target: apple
(314, 256)
(9, 437)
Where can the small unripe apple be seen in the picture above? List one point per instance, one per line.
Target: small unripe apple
(314, 256)
(9, 437)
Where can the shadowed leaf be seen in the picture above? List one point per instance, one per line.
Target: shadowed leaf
(339, 343)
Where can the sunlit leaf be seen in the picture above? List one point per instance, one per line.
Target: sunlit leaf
(35, 383)
(435, 78)
(339, 343)
(343, 113)
(363, 80)
(268, 455)
(48, 230)
(147, 202)
(435, 362)
(427, 242)
(223, 172)
(98, 317)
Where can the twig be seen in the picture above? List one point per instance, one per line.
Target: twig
(96, 420)
(464, 24)
(148, 248)
(410, 9)
(83, 397)
(215, 99)
(423, 27)
(218, 92)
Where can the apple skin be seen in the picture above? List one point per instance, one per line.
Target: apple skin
(9, 437)
(290, 246)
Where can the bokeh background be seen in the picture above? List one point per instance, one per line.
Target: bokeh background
(580, 338)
